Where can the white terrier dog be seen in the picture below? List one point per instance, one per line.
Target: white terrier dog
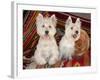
(47, 49)
(72, 34)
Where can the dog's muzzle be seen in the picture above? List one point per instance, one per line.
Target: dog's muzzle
(74, 36)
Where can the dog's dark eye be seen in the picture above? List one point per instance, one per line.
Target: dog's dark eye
(71, 28)
(49, 26)
(43, 26)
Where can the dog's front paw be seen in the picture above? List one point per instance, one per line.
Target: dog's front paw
(53, 61)
(70, 57)
(40, 61)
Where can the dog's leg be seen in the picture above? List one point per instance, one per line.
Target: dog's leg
(70, 57)
(39, 60)
(53, 60)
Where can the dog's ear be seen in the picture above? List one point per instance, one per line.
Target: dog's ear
(69, 20)
(39, 18)
(53, 19)
(78, 27)
(78, 22)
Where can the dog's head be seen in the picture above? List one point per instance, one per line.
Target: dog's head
(72, 30)
(46, 26)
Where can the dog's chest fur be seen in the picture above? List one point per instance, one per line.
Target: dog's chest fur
(46, 43)
(46, 47)
(67, 46)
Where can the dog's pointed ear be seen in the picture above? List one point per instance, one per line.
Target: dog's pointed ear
(53, 19)
(39, 18)
(69, 20)
(78, 22)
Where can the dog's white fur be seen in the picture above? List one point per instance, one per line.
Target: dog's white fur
(72, 34)
(47, 49)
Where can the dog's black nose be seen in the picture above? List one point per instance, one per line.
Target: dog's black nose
(46, 32)
(76, 32)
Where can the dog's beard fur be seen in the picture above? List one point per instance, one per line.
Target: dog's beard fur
(47, 49)
(72, 34)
